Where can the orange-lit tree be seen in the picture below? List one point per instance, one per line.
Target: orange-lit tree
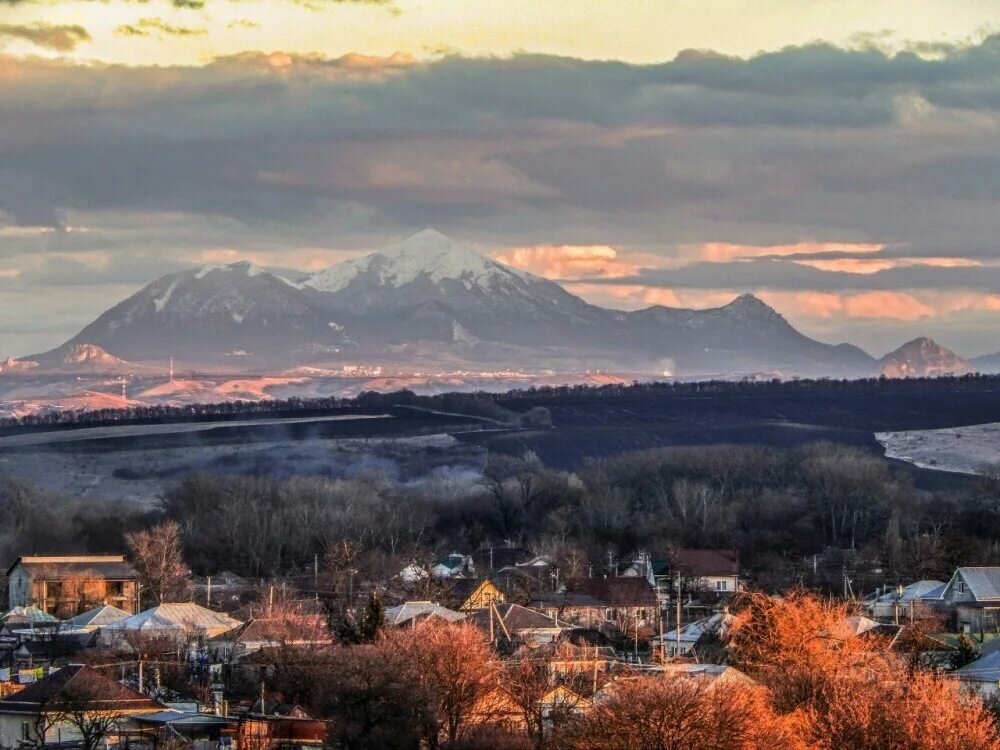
(454, 664)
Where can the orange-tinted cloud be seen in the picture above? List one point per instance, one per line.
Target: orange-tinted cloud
(868, 266)
(575, 261)
(725, 252)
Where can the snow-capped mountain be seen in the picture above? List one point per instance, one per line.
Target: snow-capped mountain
(211, 312)
(429, 300)
(429, 287)
(923, 357)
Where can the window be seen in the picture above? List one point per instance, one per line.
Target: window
(722, 585)
(25, 731)
(960, 586)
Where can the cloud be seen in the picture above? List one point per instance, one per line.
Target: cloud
(725, 252)
(575, 261)
(61, 38)
(157, 27)
(867, 266)
(811, 170)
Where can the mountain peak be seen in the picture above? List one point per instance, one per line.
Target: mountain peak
(749, 304)
(427, 254)
(244, 267)
(923, 357)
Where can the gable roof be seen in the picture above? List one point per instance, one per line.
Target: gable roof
(916, 591)
(55, 567)
(984, 669)
(693, 631)
(984, 583)
(102, 692)
(407, 611)
(706, 562)
(615, 592)
(176, 617)
(720, 673)
(304, 628)
(98, 617)
(24, 615)
(454, 561)
(515, 618)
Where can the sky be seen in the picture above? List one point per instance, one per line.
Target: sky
(839, 158)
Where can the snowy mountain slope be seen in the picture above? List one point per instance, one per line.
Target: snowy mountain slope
(212, 310)
(429, 299)
(430, 287)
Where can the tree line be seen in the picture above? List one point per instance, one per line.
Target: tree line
(782, 509)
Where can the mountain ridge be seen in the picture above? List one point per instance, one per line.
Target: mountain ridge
(429, 299)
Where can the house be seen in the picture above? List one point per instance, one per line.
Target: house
(299, 630)
(469, 594)
(196, 730)
(571, 607)
(67, 585)
(50, 641)
(26, 617)
(512, 621)
(716, 570)
(499, 709)
(972, 597)
(717, 674)
(452, 566)
(280, 728)
(50, 710)
(981, 676)
(180, 623)
(410, 613)
(626, 602)
(683, 643)
(412, 574)
(488, 560)
(904, 601)
(99, 617)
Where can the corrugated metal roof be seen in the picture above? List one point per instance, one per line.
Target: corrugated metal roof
(914, 592)
(98, 618)
(174, 617)
(405, 612)
(983, 669)
(26, 614)
(983, 582)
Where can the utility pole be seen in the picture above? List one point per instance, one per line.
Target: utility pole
(316, 575)
(678, 631)
(208, 594)
(659, 617)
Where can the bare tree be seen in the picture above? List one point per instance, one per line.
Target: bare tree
(159, 558)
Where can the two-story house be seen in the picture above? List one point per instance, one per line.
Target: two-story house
(972, 597)
(70, 584)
